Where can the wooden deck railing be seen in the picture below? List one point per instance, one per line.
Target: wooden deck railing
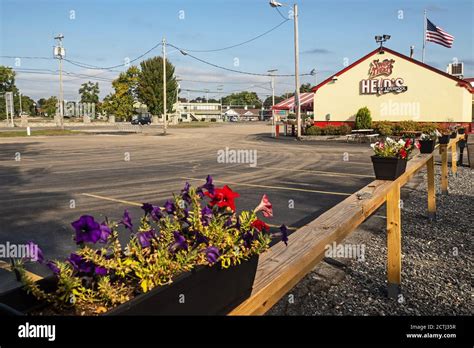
(282, 267)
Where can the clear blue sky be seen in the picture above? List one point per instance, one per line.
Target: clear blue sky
(104, 32)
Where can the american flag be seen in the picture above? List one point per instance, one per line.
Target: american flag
(438, 35)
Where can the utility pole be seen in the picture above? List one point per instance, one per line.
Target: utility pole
(164, 86)
(272, 82)
(59, 52)
(297, 74)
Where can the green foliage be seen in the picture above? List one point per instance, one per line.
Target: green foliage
(363, 119)
(48, 106)
(384, 128)
(427, 127)
(330, 130)
(305, 88)
(120, 102)
(404, 126)
(89, 92)
(313, 130)
(150, 85)
(242, 98)
(268, 101)
(344, 129)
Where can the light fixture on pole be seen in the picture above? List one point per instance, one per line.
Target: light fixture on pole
(60, 53)
(380, 39)
(271, 71)
(276, 4)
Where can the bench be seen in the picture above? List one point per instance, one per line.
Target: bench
(282, 267)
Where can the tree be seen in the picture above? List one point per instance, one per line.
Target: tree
(305, 88)
(242, 98)
(120, 102)
(363, 120)
(89, 92)
(150, 85)
(7, 84)
(48, 106)
(268, 102)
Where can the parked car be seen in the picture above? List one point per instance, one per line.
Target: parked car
(234, 119)
(141, 120)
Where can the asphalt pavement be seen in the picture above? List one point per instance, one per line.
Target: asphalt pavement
(48, 182)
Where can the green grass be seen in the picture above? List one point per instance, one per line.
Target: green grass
(43, 132)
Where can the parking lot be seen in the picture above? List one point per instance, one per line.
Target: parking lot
(48, 182)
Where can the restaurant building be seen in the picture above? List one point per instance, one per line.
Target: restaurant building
(395, 88)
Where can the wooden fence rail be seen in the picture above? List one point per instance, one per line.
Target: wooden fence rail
(282, 267)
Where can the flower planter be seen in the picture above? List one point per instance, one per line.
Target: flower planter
(454, 135)
(203, 291)
(388, 168)
(427, 146)
(461, 131)
(444, 139)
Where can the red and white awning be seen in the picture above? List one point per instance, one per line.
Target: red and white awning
(306, 99)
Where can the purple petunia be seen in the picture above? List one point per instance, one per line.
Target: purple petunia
(35, 254)
(180, 242)
(53, 267)
(169, 206)
(284, 234)
(147, 208)
(185, 193)
(127, 220)
(87, 230)
(81, 265)
(209, 186)
(206, 215)
(105, 232)
(144, 238)
(212, 254)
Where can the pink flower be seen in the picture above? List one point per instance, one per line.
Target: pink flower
(265, 207)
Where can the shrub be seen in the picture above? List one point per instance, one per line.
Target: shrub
(408, 125)
(363, 119)
(330, 130)
(213, 120)
(344, 129)
(383, 128)
(428, 127)
(313, 130)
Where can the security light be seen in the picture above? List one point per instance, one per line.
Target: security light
(274, 3)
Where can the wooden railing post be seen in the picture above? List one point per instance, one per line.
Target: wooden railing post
(431, 188)
(443, 151)
(454, 157)
(394, 247)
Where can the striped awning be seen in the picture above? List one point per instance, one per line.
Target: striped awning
(306, 99)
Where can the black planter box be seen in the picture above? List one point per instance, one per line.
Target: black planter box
(388, 168)
(444, 139)
(203, 291)
(427, 146)
(461, 131)
(454, 135)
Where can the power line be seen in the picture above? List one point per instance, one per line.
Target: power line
(239, 44)
(228, 69)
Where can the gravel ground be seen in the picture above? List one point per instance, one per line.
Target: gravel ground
(437, 260)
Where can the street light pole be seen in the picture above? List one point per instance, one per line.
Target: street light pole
(164, 86)
(297, 74)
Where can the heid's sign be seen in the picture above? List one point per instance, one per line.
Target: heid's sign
(377, 84)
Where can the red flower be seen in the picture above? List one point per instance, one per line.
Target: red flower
(223, 197)
(265, 207)
(403, 154)
(260, 225)
(417, 144)
(408, 143)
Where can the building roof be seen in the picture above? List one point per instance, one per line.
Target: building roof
(461, 82)
(287, 104)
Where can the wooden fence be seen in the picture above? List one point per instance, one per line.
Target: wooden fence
(282, 267)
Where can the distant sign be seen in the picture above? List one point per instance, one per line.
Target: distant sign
(382, 85)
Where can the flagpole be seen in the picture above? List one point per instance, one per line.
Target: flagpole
(424, 38)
